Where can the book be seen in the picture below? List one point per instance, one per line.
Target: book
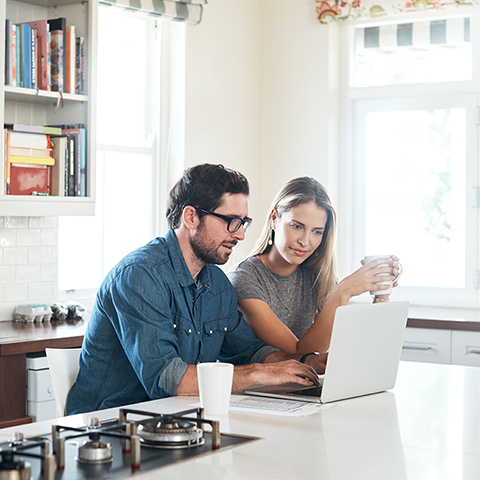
(60, 154)
(33, 57)
(80, 66)
(8, 51)
(70, 61)
(21, 127)
(19, 56)
(31, 152)
(60, 24)
(72, 143)
(56, 61)
(79, 159)
(41, 58)
(29, 140)
(78, 156)
(26, 179)
(26, 51)
(31, 160)
(14, 56)
(6, 147)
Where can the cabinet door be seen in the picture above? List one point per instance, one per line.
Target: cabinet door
(466, 348)
(426, 345)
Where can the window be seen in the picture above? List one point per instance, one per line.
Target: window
(127, 160)
(415, 154)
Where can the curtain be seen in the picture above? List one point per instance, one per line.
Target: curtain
(189, 11)
(334, 10)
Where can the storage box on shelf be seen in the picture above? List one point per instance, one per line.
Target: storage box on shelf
(43, 107)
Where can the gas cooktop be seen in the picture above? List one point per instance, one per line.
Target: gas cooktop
(115, 449)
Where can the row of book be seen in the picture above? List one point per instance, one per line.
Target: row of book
(44, 55)
(45, 160)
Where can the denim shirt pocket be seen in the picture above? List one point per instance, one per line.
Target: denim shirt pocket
(187, 337)
(213, 335)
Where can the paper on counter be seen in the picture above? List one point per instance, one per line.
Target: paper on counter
(274, 406)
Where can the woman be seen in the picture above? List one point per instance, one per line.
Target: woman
(287, 289)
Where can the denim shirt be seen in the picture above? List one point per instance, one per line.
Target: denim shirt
(150, 320)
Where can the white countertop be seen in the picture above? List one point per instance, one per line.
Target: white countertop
(428, 427)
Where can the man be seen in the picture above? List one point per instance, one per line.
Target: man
(165, 307)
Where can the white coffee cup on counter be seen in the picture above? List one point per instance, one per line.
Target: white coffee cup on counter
(215, 386)
(389, 280)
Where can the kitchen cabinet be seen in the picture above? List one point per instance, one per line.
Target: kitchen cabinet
(426, 345)
(16, 341)
(466, 348)
(458, 347)
(41, 107)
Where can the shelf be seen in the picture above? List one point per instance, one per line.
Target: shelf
(28, 95)
(32, 206)
(42, 107)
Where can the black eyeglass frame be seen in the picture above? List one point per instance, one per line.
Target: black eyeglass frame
(246, 222)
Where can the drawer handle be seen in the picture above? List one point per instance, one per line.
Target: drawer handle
(473, 351)
(419, 347)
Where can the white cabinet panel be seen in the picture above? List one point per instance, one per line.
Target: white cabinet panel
(427, 345)
(466, 348)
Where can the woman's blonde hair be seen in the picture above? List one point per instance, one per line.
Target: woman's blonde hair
(297, 192)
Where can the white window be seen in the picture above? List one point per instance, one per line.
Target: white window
(127, 170)
(414, 161)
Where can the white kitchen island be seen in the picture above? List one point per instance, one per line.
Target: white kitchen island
(428, 427)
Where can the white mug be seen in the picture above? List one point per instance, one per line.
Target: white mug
(215, 386)
(387, 291)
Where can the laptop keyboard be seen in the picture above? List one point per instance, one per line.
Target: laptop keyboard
(309, 392)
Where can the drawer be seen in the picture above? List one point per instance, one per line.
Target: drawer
(466, 348)
(39, 385)
(42, 410)
(427, 345)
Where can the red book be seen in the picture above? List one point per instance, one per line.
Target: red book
(26, 179)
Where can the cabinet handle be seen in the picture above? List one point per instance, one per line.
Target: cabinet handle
(419, 347)
(473, 351)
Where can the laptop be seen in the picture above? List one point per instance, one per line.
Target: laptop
(363, 358)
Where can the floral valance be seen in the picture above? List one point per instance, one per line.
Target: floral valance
(335, 10)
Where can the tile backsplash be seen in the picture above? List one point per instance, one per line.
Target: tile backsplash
(28, 262)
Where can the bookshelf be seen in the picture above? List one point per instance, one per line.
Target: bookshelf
(42, 107)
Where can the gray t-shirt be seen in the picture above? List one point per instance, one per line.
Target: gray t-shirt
(293, 298)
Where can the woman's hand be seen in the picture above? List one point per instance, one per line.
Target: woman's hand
(364, 279)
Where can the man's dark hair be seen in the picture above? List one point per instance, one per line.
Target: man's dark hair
(203, 186)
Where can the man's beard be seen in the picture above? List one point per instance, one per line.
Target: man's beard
(206, 250)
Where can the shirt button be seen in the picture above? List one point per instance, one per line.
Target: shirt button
(211, 331)
(225, 328)
(189, 330)
(174, 325)
(198, 333)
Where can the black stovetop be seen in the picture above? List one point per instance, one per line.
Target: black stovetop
(120, 465)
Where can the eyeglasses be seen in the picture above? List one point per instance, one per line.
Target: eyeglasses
(234, 223)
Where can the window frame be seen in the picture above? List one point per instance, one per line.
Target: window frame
(355, 102)
(167, 64)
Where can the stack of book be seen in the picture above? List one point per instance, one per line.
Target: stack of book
(45, 160)
(44, 55)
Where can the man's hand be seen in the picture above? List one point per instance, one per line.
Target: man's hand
(278, 368)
